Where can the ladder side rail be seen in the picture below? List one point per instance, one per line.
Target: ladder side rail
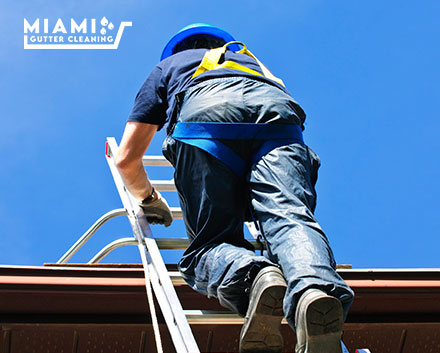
(110, 247)
(89, 232)
(169, 303)
(256, 234)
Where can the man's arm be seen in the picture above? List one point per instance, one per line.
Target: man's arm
(135, 141)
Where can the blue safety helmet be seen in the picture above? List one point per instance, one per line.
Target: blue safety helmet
(194, 29)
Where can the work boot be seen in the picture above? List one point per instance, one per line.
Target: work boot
(319, 321)
(261, 330)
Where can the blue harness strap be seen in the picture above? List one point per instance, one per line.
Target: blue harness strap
(206, 135)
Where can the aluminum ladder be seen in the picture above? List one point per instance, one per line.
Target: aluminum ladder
(154, 267)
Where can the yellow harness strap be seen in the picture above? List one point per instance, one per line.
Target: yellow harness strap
(212, 57)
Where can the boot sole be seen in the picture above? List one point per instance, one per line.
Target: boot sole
(262, 332)
(324, 321)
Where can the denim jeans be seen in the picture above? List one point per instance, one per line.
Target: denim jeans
(279, 188)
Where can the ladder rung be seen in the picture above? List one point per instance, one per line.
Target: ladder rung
(172, 243)
(182, 243)
(215, 317)
(164, 185)
(155, 161)
(177, 212)
(176, 278)
(212, 317)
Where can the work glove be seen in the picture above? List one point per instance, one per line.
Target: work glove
(156, 209)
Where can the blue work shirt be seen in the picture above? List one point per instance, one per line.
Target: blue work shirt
(156, 100)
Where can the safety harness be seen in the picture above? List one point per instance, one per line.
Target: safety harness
(207, 135)
(212, 58)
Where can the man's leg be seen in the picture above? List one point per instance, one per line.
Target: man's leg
(283, 197)
(219, 262)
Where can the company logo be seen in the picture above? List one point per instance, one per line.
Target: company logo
(86, 34)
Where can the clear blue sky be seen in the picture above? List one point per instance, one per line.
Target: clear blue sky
(366, 73)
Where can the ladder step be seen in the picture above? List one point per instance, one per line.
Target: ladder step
(172, 243)
(182, 243)
(212, 317)
(164, 185)
(215, 317)
(177, 212)
(155, 161)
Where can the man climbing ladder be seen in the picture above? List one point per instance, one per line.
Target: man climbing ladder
(235, 141)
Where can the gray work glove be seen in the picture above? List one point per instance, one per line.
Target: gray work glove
(156, 209)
